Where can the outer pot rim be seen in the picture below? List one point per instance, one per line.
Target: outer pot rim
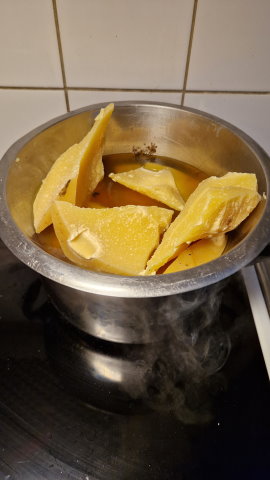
(137, 286)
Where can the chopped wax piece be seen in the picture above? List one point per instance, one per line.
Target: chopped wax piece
(75, 174)
(91, 172)
(116, 240)
(159, 185)
(233, 179)
(184, 182)
(217, 205)
(197, 253)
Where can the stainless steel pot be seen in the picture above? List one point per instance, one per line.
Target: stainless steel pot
(119, 308)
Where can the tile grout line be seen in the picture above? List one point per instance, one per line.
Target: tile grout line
(163, 90)
(189, 50)
(112, 89)
(150, 90)
(90, 89)
(26, 87)
(60, 50)
(227, 92)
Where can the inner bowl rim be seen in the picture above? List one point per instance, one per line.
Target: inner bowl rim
(137, 286)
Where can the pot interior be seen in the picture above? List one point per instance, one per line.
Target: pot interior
(178, 134)
(185, 135)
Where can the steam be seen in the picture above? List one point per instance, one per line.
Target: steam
(178, 372)
(181, 370)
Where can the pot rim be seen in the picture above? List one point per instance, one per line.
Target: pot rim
(136, 286)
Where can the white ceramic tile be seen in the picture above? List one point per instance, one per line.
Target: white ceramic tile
(125, 43)
(82, 98)
(230, 49)
(28, 44)
(251, 113)
(23, 110)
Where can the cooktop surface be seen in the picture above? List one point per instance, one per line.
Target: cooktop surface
(202, 426)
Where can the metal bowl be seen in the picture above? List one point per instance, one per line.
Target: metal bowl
(196, 138)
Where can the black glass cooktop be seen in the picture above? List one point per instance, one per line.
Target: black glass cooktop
(194, 427)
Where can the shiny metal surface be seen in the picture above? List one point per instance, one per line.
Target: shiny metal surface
(47, 433)
(127, 320)
(263, 273)
(184, 134)
(162, 374)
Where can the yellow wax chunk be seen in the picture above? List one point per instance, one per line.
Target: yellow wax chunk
(75, 174)
(116, 240)
(197, 253)
(217, 205)
(159, 185)
(184, 182)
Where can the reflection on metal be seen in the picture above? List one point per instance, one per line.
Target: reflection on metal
(259, 310)
(263, 272)
(105, 367)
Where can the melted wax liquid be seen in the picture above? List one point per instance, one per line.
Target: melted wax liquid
(110, 194)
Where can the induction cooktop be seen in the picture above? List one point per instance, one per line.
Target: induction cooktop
(57, 421)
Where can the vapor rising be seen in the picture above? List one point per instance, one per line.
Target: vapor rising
(181, 371)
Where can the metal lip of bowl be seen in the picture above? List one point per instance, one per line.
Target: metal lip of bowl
(136, 286)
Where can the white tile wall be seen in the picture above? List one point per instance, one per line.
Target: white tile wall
(122, 43)
(121, 50)
(28, 44)
(251, 113)
(81, 98)
(23, 110)
(230, 49)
